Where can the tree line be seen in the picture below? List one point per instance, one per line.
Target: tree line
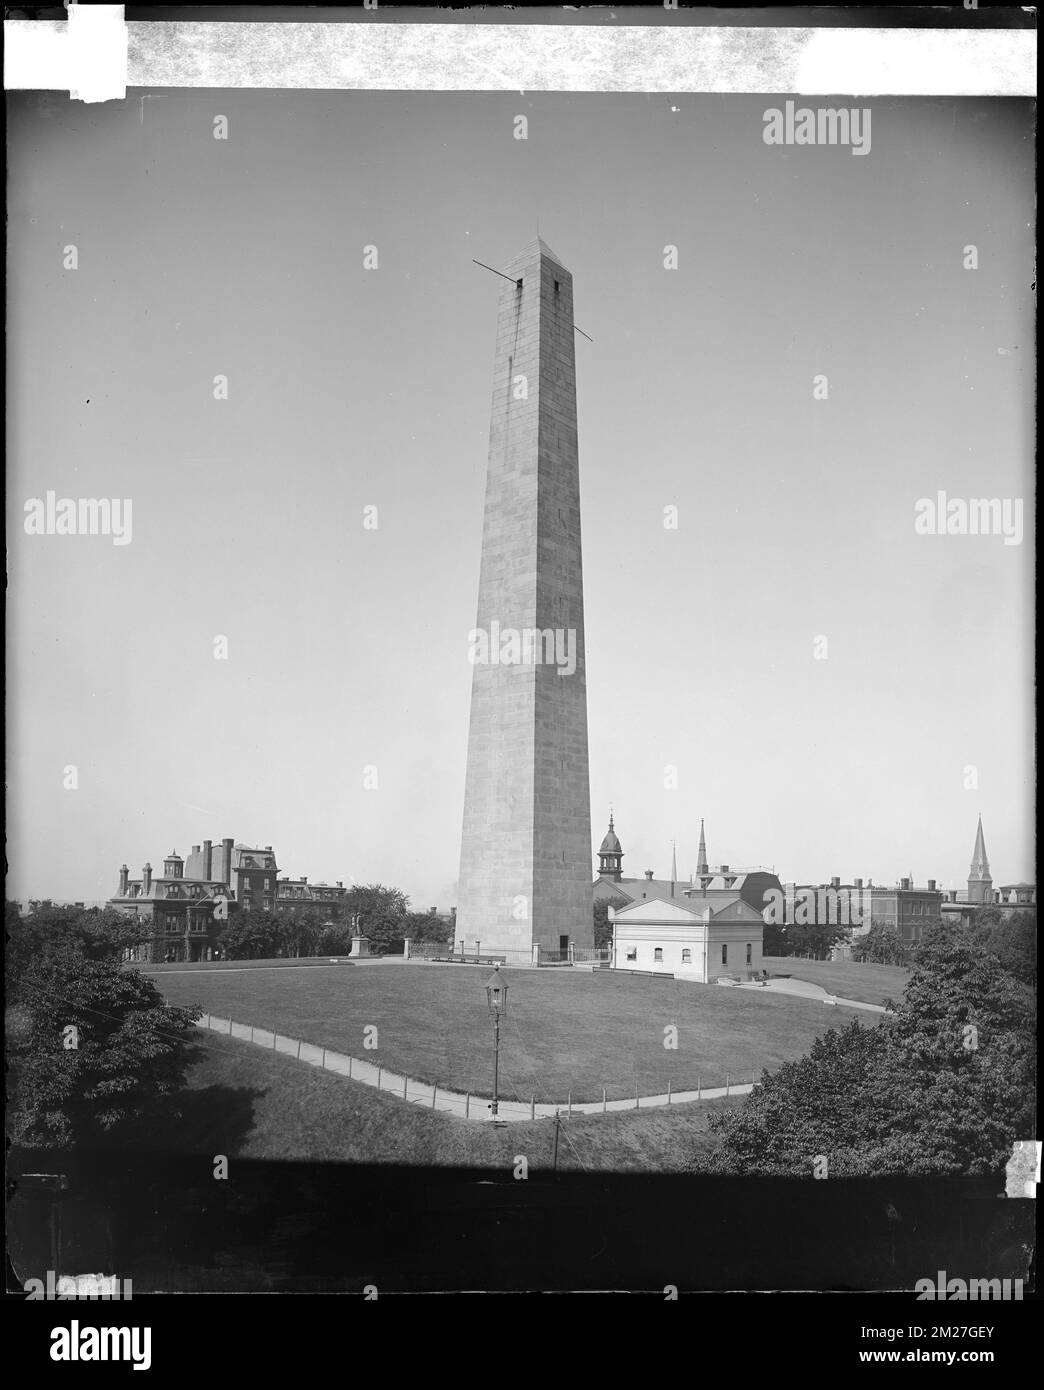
(381, 914)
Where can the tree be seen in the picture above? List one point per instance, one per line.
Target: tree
(382, 915)
(815, 939)
(603, 928)
(427, 926)
(881, 945)
(92, 1047)
(252, 934)
(944, 1085)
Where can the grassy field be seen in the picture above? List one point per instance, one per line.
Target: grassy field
(246, 1102)
(566, 1031)
(872, 984)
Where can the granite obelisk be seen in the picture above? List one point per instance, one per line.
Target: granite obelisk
(525, 863)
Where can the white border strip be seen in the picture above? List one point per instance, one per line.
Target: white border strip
(510, 57)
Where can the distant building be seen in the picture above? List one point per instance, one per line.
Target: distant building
(1017, 895)
(179, 908)
(181, 903)
(297, 894)
(981, 892)
(906, 910)
(750, 885)
(703, 938)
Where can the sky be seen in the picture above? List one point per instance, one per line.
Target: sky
(351, 388)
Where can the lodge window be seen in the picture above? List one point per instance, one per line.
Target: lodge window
(749, 953)
(686, 956)
(724, 955)
(657, 953)
(632, 953)
(268, 883)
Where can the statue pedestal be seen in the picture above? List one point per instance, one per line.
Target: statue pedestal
(360, 947)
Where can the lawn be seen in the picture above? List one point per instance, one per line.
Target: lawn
(872, 984)
(566, 1031)
(246, 1102)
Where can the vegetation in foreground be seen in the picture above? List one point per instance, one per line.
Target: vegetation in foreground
(945, 1086)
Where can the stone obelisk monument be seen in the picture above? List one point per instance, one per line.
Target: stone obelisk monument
(525, 862)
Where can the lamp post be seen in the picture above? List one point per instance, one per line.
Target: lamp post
(496, 1002)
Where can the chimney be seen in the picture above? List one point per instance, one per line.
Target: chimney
(724, 868)
(304, 878)
(123, 880)
(858, 882)
(931, 885)
(208, 858)
(146, 879)
(195, 849)
(835, 883)
(904, 883)
(340, 884)
(649, 874)
(226, 850)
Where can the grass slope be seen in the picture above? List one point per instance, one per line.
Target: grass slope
(565, 1031)
(872, 984)
(243, 1101)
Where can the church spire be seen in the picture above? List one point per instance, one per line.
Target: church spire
(674, 861)
(701, 859)
(980, 883)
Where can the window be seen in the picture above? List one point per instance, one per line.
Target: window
(268, 883)
(632, 953)
(686, 956)
(724, 954)
(657, 953)
(749, 953)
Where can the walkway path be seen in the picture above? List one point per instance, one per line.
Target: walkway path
(811, 991)
(434, 1097)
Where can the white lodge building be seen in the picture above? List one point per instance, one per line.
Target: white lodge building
(710, 936)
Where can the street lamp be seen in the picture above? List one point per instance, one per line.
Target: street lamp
(496, 1002)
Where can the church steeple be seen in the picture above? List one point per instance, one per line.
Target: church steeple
(702, 871)
(980, 883)
(610, 855)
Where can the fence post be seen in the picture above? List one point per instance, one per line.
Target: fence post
(379, 1070)
(636, 1095)
(229, 1027)
(569, 1105)
(322, 1064)
(251, 1032)
(603, 1101)
(699, 1087)
(434, 1093)
(405, 1083)
(726, 1083)
(532, 1107)
(349, 1066)
(275, 1036)
(467, 1105)
(668, 1091)
(299, 1049)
